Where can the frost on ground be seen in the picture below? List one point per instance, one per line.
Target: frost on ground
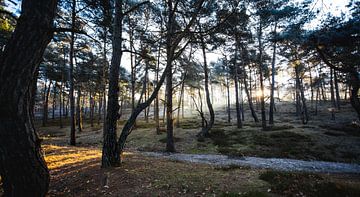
(256, 162)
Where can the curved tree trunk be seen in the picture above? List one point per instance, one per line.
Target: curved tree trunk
(22, 167)
(205, 131)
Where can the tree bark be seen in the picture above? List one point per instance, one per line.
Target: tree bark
(236, 81)
(22, 167)
(205, 132)
(228, 98)
(180, 100)
(272, 101)
(78, 111)
(170, 147)
(261, 70)
(337, 93)
(248, 95)
(71, 76)
(60, 102)
(54, 101)
(46, 104)
(110, 151)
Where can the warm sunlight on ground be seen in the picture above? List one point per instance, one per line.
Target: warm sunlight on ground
(60, 156)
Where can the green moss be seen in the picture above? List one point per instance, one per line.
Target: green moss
(288, 183)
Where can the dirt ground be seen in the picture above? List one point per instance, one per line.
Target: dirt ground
(75, 171)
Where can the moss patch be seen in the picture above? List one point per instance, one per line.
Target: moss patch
(305, 184)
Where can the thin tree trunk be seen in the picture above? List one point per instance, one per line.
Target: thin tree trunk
(205, 132)
(100, 108)
(78, 111)
(248, 95)
(236, 80)
(22, 167)
(54, 101)
(45, 104)
(61, 103)
(332, 92)
(92, 105)
(156, 111)
(272, 101)
(71, 70)
(180, 100)
(228, 98)
(262, 99)
(337, 93)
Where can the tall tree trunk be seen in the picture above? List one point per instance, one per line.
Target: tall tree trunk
(46, 104)
(110, 151)
(92, 105)
(228, 98)
(157, 122)
(301, 96)
(60, 101)
(332, 91)
(22, 167)
(205, 132)
(71, 77)
(272, 101)
(180, 99)
(170, 147)
(261, 70)
(100, 108)
(337, 93)
(249, 98)
(171, 46)
(54, 101)
(236, 81)
(78, 111)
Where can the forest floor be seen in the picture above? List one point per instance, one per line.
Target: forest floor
(75, 171)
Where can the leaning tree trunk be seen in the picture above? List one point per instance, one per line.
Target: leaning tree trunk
(171, 46)
(249, 98)
(110, 151)
(22, 167)
(205, 131)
